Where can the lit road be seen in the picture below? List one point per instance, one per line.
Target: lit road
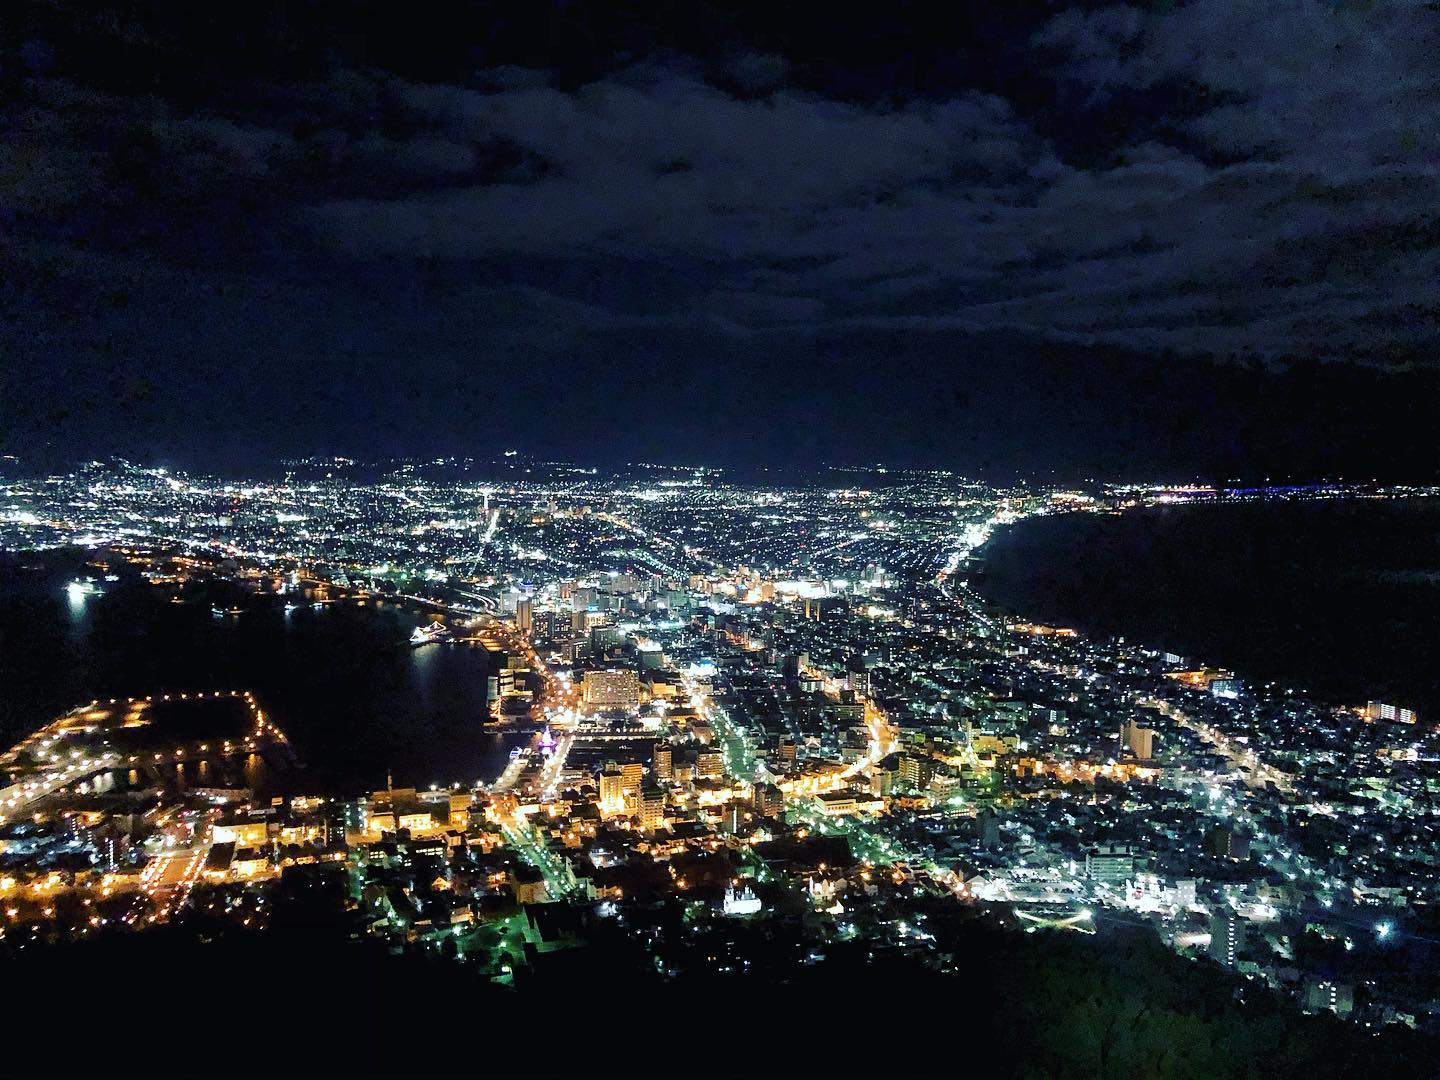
(868, 843)
(739, 757)
(636, 530)
(559, 879)
(555, 766)
(168, 879)
(1244, 758)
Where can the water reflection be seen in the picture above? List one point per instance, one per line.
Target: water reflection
(341, 680)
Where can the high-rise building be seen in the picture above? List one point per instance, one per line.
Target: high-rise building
(1110, 864)
(1228, 842)
(710, 764)
(611, 689)
(632, 773)
(1140, 741)
(1383, 710)
(524, 617)
(612, 789)
(460, 810)
(786, 752)
(916, 771)
(769, 801)
(651, 807)
(605, 637)
(1227, 937)
(662, 760)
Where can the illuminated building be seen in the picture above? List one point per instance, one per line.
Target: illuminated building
(651, 808)
(986, 743)
(837, 803)
(401, 808)
(916, 771)
(1201, 679)
(1185, 892)
(662, 760)
(460, 810)
(611, 689)
(524, 617)
(1380, 710)
(769, 801)
(710, 764)
(786, 753)
(1140, 741)
(244, 832)
(1110, 864)
(612, 789)
(631, 772)
(743, 902)
(1321, 994)
(1227, 937)
(249, 862)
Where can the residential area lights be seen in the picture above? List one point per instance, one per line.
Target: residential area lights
(741, 697)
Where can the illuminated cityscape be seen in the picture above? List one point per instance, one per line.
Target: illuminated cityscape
(752, 700)
(565, 539)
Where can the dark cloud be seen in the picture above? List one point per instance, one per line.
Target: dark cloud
(325, 190)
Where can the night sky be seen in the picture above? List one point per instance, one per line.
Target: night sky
(1167, 240)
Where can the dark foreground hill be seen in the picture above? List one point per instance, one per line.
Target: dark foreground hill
(201, 1000)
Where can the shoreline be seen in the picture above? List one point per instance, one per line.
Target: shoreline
(1141, 611)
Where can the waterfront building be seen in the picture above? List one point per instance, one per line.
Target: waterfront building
(611, 689)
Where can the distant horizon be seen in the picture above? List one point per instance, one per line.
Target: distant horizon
(260, 468)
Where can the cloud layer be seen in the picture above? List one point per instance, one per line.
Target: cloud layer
(1209, 178)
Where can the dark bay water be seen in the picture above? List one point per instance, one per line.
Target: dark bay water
(1341, 597)
(341, 681)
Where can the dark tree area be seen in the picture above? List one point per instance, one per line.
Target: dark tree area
(1000, 1004)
